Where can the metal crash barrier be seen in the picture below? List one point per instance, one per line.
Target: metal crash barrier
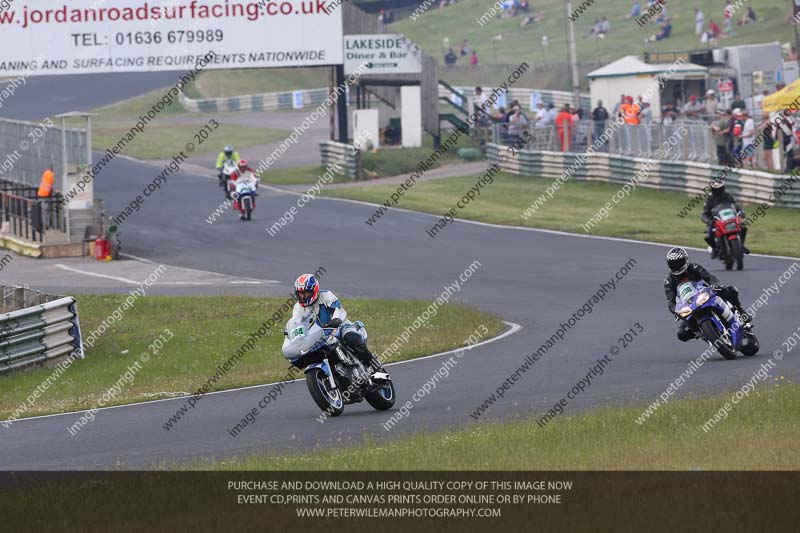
(36, 328)
(689, 177)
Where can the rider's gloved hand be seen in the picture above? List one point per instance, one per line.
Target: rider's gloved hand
(716, 288)
(334, 323)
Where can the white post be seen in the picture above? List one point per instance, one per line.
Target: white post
(64, 180)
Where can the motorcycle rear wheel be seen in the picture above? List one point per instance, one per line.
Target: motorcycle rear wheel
(711, 334)
(329, 401)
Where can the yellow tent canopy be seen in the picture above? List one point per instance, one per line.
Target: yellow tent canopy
(784, 98)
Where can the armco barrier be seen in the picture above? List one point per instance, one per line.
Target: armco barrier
(36, 328)
(557, 98)
(346, 156)
(255, 102)
(313, 97)
(689, 177)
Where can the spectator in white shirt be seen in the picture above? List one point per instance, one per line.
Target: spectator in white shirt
(541, 115)
(552, 113)
(748, 140)
(710, 105)
(699, 21)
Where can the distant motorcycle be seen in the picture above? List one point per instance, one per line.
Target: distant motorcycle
(728, 235)
(334, 375)
(708, 315)
(244, 193)
(225, 174)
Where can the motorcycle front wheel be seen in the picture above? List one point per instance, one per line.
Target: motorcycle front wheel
(752, 346)
(382, 398)
(712, 335)
(737, 252)
(328, 399)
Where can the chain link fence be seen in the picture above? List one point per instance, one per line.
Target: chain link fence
(27, 149)
(643, 140)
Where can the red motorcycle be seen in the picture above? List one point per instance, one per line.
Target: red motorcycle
(728, 235)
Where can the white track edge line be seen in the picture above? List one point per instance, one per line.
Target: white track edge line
(513, 328)
(520, 228)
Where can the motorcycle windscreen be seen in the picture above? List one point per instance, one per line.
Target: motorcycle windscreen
(301, 336)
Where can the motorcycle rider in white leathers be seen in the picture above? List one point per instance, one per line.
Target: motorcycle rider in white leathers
(330, 314)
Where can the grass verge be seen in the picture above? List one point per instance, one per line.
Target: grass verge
(383, 163)
(207, 332)
(755, 436)
(301, 175)
(648, 214)
(163, 138)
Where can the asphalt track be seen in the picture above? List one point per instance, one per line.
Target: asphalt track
(47, 96)
(533, 278)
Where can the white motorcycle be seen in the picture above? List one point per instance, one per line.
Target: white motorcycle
(334, 375)
(244, 193)
(225, 174)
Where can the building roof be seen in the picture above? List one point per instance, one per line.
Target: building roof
(633, 66)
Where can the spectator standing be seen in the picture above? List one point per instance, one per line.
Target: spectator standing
(722, 137)
(748, 139)
(465, 49)
(481, 101)
(44, 193)
(450, 58)
(646, 115)
(552, 113)
(473, 59)
(692, 109)
(710, 105)
(699, 21)
(758, 105)
(738, 102)
(517, 122)
(736, 129)
(617, 111)
(564, 127)
(541, 115)
(769, 141)
(630, 111)
(600, 118)
(727, 17)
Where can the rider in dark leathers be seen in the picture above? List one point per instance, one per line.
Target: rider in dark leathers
(719, 196)
(681, 270)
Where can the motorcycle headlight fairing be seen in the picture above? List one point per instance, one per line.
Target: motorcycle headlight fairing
(702, 298)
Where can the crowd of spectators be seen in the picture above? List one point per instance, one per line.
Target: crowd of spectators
(464, 50)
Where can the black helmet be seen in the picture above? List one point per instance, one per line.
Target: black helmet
(677, 260)
(717, 187)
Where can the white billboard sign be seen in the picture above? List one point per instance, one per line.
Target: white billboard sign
(90, 36)
(384, 53)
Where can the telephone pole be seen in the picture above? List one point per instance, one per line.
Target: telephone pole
(573, 56)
